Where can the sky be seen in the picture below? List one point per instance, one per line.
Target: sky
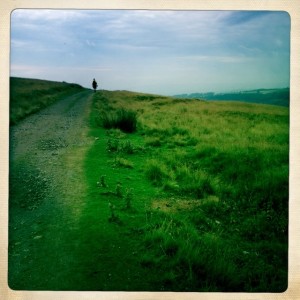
(162, 52)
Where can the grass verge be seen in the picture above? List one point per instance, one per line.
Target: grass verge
(28, 96)
(209, 188)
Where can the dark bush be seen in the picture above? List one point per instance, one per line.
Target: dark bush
(122, 119)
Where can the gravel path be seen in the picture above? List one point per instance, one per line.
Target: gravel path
(41, 149)
(48, 133)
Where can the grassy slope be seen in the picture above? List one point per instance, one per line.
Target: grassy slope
(263, 96)
(207, 183)
(27, 96)
(216, 213)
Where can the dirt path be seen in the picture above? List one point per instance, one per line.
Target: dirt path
(45, 194)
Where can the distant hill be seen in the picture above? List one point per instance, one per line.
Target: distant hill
(28, 96)
(265, 96)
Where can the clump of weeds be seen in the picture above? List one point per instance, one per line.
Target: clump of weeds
(102, 181)
(113, 216)
(128, 198)
(115, 133)
(122, 162)
(114, 145)
(119, 190)
(127, 147)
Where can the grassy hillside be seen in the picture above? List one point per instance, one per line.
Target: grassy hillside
(27, 96)
(173, 195)
(264, 96)
(196, 190)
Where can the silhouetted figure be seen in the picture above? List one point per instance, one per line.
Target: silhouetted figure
(94, 84)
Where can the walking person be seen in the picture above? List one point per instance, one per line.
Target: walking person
(95, 85)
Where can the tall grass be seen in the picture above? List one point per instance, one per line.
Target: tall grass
(220, 217)
(190, 261)
(237, 153)
(109, 116)
(122, 119)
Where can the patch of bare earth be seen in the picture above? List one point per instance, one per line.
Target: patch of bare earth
(173, 205)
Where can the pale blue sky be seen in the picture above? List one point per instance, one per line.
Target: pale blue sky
(163, 52)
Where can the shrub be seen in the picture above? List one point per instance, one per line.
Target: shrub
(125, 120)
(108, 120)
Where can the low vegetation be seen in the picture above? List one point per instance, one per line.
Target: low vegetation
(209, 185)
(179, 195)
(122, 119)
(28, 96)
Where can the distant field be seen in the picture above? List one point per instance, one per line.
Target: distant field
(30, 95)
(264, 96)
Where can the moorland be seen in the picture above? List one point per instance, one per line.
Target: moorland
(153, 193)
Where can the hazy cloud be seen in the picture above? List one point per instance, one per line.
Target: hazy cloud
(153, 51)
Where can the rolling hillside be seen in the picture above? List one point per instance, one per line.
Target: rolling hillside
(264, 96)
(28, 96)
(158, 194)
(216, 217)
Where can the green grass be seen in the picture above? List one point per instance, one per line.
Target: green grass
(114, 213)
(195, 198)
(122, 119)
(217, 211)
(28, 96)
